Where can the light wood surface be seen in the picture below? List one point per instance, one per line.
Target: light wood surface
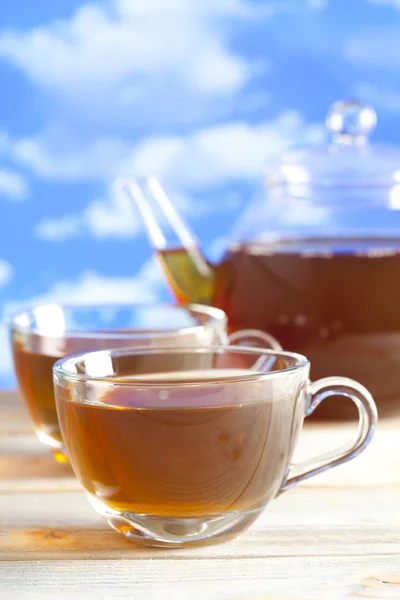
(336, 536)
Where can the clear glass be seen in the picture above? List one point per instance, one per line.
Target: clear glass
(44, 333)
(186, 446)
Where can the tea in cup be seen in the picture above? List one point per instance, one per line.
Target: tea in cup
(182, 446)
(44, 333)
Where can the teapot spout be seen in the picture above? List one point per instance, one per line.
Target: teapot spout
(188, 273)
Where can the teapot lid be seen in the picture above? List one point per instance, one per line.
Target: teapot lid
(349, 160)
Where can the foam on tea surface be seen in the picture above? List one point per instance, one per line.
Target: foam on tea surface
(180, 390)
(193, 375)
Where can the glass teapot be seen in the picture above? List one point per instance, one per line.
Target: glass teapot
(314, 260)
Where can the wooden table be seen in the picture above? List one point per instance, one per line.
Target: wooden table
(336, 536)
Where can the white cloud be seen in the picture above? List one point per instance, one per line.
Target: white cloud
(207, 155)
(57, 230)
(393, 3)
(13, 184)
(114, 217)
(375, 49)
(210, 76)
(126, 55)
(96, 50)
(318, 4)
(6, 272)
(4, 143)
(91, 288)
(378, 97)
(179, 8)
(56, 155)
(141, 65)
(218, 154)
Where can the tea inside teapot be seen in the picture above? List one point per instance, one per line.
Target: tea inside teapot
(334, 301)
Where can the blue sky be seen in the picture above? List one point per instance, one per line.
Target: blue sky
(200, 93)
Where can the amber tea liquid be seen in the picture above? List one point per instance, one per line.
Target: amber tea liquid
(336, 302)
(35, 379)
(188, 282)
(181, 461)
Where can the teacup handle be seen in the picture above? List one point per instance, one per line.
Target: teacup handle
(321, 390)
(254, 337)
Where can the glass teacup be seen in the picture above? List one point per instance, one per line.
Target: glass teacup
(44, 333)
(181, 446)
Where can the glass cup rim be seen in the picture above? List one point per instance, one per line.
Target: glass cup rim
(215, 316)
(60, 368)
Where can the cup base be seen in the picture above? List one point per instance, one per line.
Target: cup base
(176, 532)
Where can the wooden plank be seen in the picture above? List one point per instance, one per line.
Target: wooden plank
(313, 577)
(302, 522)
(27, 473)
(14, 416)
(25, 463)
(379, 464)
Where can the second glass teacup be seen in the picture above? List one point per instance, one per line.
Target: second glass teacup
(44, 333)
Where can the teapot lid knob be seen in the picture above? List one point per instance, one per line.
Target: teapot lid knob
(350, 122)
